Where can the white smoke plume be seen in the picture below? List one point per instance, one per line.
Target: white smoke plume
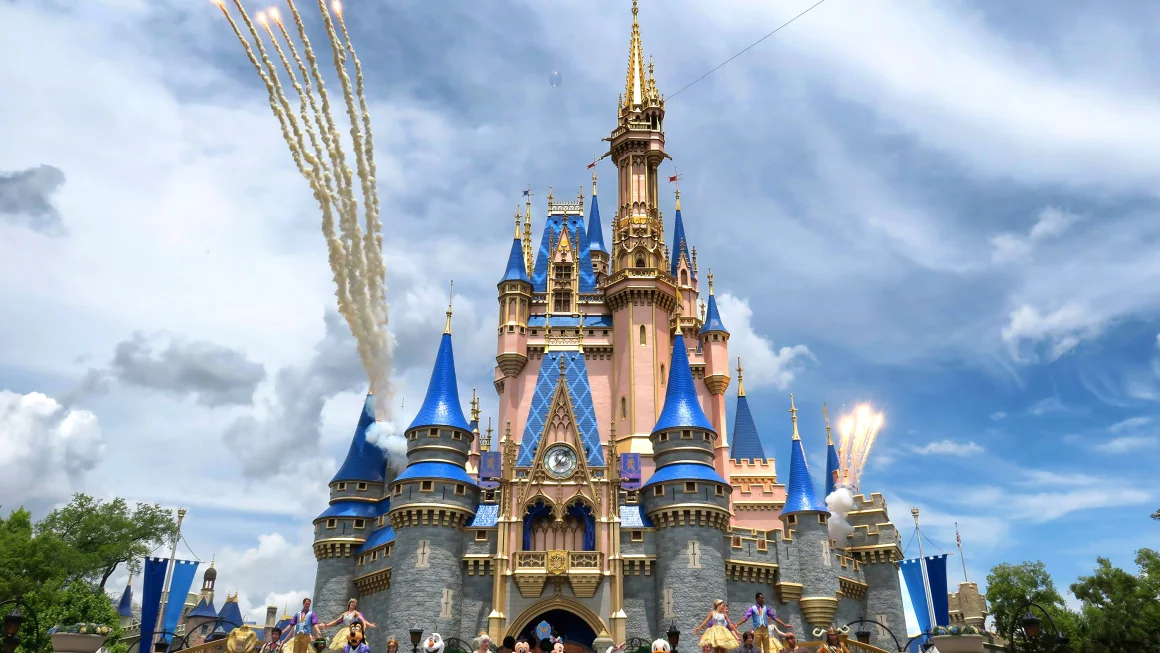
(388, 436)
(315, 142)
(840, 503)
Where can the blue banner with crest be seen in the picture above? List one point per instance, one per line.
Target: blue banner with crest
(630, 471)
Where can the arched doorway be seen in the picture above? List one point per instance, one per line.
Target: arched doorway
(575, 623)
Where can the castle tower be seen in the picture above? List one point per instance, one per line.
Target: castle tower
(804, 522)
(515, 298)
(125, 605)
(431, 501)
(757, 496)
(641, 292)
(688, 502)
(208, 580)
(833, 462)
(355, 492)
(596, 250)
(682, 266)
(715, 347)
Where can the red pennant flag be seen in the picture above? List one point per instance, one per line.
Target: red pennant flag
(672, 179)
(591, 165)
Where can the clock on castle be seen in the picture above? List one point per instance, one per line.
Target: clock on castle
(607, 350)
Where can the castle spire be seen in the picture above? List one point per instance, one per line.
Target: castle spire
(712, 320)
(529, 262)
(746, 442)
(450, 296)
(793, 418)
(833, 463)
(800, 496)
(441, 405)
(741, 386)
(634, 84)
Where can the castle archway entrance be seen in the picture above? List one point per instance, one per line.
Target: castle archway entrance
(575, 624)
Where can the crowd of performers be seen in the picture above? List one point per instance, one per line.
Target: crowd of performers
(765, 634)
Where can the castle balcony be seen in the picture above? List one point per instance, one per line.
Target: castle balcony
(582, 569)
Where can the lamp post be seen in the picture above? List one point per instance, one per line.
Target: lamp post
(674, 636)
(14, 621)
(864, 635)
(416, 637)
(1030, 628)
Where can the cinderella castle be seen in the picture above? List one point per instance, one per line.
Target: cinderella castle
(616, 501)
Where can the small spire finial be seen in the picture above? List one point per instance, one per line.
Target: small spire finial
(562, 363)
(793, 418)
(517, 221)
(550, 197)
(450, 296)
(740, 381)
(581, 197)
(829, 433)
(694, 261)
(710, 281)
(635, 10)
(702, 311)
(212, 559)
(594, 160)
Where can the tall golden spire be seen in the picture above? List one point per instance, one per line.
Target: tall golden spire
(711, 283)
(529, 262)
(450, 296)
(634, 84)
(829, 434)
(517, 221)
(676, 175)
(793, 418)
(740, 382)
(594, 160)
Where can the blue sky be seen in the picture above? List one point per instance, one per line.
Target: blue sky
(950, 206)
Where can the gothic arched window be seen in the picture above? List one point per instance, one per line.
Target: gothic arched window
(684, 277)
(643, 336)
(623, 408)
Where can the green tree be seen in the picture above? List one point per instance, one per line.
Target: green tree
(1011, 587)
(83, 603)
(1122, 610)
(106, 535)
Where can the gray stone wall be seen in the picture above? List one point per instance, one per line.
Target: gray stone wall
(674, 447)
(475, 606)
(741, 597)
(373, 490)
(809, 538)
(641, 606)
(884, 597)
(416, 594)
(375, 607)
(693, 590)
(333, 587)
(442, 492)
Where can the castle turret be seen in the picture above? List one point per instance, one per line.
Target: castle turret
(431, 501)
(125, 605)
(687, 501)
(757, 496)
(715, 348)
(596, 250)
(805, 524)
(515, 298)
(355, 492)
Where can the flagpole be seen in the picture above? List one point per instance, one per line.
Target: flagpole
(959, 541)
(168, 579)
(922, 566)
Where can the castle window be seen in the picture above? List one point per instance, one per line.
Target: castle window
(374, 556)
(762, 545)
(562, 302)
(690, 487)
(719, 491)
(643, 336)
(460, 489)
(412, 435)
(360, 523)
(390, 548)
(640, 261)
(637, 536)
(630, 497)
(821, 518)
(714, 337)
(605, 332)
(426, 486)
(623, 408)
(662, 374)
(791, 519)
(706, 436)
(456, 435)
(736, 542)
(362, 486)
(658, 491)
(362, 560)
(342, 487)
(489, 495)
(686, 435)
(684, 277)
(663, 437)
(480, 536)
(398, 490)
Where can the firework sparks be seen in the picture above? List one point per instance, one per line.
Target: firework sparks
(858, 431)
(312, 135)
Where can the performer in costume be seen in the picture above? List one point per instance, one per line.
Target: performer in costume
(355, 642)
(305, 630)
(522, 646)
(721, 635)
(791, 645)
(392, 645)
(832, 643)
(275, 643)
(347, 619)
(760, 616)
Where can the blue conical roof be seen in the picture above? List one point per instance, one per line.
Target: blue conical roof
(517, 270)
(125, 606)
(441, 406)
(680, 246)
(231, 614)
(364, 461)
(595, 232)
(713, 318)
(746, 442)
(833, 467)
(682, 409)
(204, 609)
(800, 496)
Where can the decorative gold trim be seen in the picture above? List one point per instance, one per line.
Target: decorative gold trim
(593, 620)
(819, 610)
(787, 592)
(373, 582)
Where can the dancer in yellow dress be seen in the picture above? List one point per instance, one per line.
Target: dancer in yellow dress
(347, 619)
(722, 634)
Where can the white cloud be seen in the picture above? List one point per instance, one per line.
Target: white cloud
(764, 363)
(1128, 443)
(1050, 223)
(1130, 424)
(997, 416)
(1060, 328)
(47, 449)
(1047, 405)
(276, 571)
(949, 448)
